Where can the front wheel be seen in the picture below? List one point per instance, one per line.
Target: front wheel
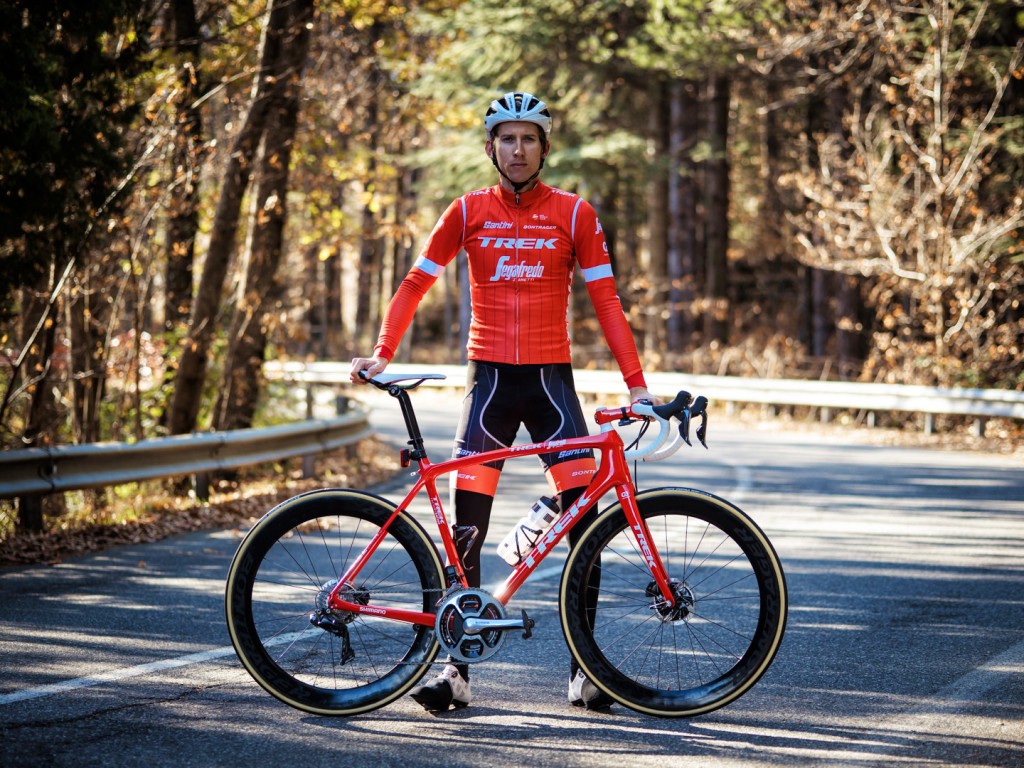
(716, 639)
(290, 640)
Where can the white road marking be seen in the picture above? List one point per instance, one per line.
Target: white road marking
(116, 675)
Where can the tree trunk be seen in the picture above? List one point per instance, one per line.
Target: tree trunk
(850, 347)
(334, 323)
(771, 152)
(37, 371)
(716, 318)
(336, 345)
(260, 291)
(850, 341)
(821, 314)
(405, 254)
(324, 315)
(191, 373)
(657, 220)
(369, 248)
(682, 215)
(88, 314)
(183, 211)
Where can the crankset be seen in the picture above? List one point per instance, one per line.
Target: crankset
(471, 625)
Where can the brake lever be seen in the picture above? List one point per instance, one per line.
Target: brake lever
(684, 426)
(700, 407)
(697, 408)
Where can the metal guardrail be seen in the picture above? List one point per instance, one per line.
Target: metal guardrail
(36, 471)
(825, 395)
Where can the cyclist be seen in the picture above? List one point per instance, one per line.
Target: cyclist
(523, 240)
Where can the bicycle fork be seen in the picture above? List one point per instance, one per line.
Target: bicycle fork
(642, 534)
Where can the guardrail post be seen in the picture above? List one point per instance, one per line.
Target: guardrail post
(309, 460)
(979, 427)
(201, 485)
(30, 513)
(929, 423)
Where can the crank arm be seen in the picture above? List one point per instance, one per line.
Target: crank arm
(476, 626)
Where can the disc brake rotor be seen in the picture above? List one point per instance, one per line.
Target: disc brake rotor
(684, 602)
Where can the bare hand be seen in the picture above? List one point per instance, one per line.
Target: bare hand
(642, 393)
(370, 365)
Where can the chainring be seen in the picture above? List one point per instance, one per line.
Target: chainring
(450, 625)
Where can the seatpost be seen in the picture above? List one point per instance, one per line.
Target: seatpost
(419, 450)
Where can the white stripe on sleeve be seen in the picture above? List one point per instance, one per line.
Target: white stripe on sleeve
(428, 266)
(598, 272)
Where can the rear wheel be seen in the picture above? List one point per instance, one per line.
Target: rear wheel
(292, 643)
(716, 639)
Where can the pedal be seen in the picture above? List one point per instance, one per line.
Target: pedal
(528, 625)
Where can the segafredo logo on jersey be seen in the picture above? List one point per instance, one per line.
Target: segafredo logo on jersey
(506, 271)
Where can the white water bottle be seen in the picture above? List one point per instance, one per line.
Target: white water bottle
(528, 530)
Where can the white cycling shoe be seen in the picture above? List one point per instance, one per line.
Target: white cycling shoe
(583, 693)
(448, 689)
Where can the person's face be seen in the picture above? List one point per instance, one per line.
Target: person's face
(519, 150)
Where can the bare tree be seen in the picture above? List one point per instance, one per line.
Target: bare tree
(716, 318)
(904, 202)
(183, 213)
(191, 374)
(260, 289)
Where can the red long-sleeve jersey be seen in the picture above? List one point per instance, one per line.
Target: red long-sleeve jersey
(522, 256)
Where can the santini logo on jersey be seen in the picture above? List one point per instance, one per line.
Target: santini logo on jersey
(506, 271)
(497, 225)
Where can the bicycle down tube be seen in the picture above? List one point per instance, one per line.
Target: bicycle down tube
(612, 472)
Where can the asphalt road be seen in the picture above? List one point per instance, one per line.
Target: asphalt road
(905, 643)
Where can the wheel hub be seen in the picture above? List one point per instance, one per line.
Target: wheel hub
(327, 617)
(684, 602)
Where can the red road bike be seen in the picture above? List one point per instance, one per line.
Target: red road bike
(673, 601)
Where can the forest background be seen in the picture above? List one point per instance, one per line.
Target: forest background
(789, 188)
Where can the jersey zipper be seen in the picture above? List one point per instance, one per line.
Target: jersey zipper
(516, 285)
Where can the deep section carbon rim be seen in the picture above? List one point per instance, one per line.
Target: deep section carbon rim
(287, 636)
(721, 632)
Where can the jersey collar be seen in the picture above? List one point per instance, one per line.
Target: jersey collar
(525, 198)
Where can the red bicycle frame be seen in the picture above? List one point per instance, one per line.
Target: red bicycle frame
(612, 473)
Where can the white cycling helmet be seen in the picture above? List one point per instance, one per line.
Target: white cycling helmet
(518, 106)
